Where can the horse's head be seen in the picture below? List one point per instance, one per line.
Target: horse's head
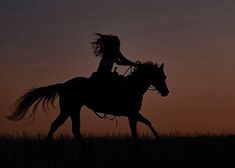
(159, 80)
(153, 75)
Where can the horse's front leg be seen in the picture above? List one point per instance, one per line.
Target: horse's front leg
(142, 119)
(133, 123)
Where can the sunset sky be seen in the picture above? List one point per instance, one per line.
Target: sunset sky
(47, 42)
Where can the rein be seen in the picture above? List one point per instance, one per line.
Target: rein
(106, 116)
(152, 88)
(131, 69)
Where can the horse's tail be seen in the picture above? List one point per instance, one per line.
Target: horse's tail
(34, 96)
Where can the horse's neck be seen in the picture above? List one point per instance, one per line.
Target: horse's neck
(144, 87)
(140, 84)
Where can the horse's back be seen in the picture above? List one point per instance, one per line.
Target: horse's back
(105, 96)
(74, 88)
(76, 81)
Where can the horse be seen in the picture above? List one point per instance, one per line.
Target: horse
(122, 99)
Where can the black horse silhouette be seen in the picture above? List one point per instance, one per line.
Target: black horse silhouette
(122, 99)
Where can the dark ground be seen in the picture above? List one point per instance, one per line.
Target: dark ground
(107, 151)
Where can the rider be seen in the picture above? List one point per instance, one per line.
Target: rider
(108, 48)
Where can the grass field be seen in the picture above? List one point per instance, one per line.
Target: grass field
(111, 151)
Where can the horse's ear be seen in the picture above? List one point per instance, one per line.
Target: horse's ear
(162, 66)
(156, 65)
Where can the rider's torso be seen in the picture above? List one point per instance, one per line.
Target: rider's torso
(106, 64)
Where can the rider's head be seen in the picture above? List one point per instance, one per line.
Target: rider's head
(105, 44)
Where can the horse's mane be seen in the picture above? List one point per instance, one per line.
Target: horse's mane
(144, 69)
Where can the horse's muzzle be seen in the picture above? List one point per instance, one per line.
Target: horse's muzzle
(164, 94)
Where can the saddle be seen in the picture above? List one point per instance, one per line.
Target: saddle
(108, 83)
(109, 92)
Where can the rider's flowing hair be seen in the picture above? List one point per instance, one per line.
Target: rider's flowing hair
(105, 44)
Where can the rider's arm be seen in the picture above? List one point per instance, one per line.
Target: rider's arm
(121, 60)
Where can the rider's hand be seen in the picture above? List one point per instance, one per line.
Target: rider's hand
(137, 63)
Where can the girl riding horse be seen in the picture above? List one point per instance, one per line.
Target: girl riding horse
(81, 91)
(108, 48)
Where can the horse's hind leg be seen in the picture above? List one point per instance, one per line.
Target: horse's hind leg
(56, 124)
(148, 123)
